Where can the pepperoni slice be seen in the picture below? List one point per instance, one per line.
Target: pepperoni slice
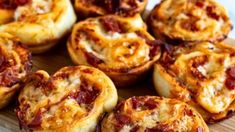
(86, 95)
(121, 121)
(92, 59)
(199, 4)
(135, 103)
(190, 25)
(12, 4)
(231, 72)
(36, 121)
(159, 128)
(210, 12)
(150, 104)
(21, 2)
(135, 128)
(9, 77)
(111, 25)
(3, 63)
(230, 83)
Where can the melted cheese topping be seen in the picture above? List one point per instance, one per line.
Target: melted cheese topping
(168, 115)
(36, 7)
(54, 98)
(117, 50)
(210, 89)
(191, 20)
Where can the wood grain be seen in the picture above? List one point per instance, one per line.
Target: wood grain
(58, 57)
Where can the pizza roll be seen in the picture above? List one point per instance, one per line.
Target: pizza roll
(15, 63)
(72, 99)
(153, 114)
(121, 47)
(89, 8)
(202, 75)
(190, 20)
(37, 23)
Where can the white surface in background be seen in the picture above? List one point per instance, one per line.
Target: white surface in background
(229, 5)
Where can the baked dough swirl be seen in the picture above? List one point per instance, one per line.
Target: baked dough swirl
(89, 8)
(202, 75)
(37, 23)
(72, 99)
(121, 47)
(153, 114)
(15, 63)
(190, 20)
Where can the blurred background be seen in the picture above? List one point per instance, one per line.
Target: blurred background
(229, 5)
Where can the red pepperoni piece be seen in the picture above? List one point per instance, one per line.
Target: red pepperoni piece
(230, 83)
(135, 128)
(12, 4)
(231, 72)
(92, 59)
(159, 128)
(3, 63)
(199, 4)
(121, 121)
(86, 95)
(150, 104)
(111, 25)
(36, 121)
(135, 103)
(9, 78)
(211, 13)
(21, 2)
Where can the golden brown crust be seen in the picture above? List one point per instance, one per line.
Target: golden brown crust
(89, 8)
(190, 20)
(151, 113)
(40, 24)
(121, 47)
(202, 75)
(15, 63)
(72, 99)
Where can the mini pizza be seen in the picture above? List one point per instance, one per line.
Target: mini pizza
(153, 114)
(121, 47)
(202, 75)
(71, 100)
(39, 24)
(15, 63)
(190, 20)
(89, 8)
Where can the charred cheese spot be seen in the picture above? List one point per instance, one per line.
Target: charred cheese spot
(149, 113)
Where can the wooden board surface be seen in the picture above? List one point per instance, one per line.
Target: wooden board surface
(58, 57)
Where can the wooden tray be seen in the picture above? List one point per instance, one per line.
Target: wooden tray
(58, 57)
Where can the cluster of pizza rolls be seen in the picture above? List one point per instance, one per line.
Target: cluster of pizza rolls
(72, 99)
(15, 64)
(91, 8)
(39, 24)
(121, 47)
(190, 20)
(112, 47)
